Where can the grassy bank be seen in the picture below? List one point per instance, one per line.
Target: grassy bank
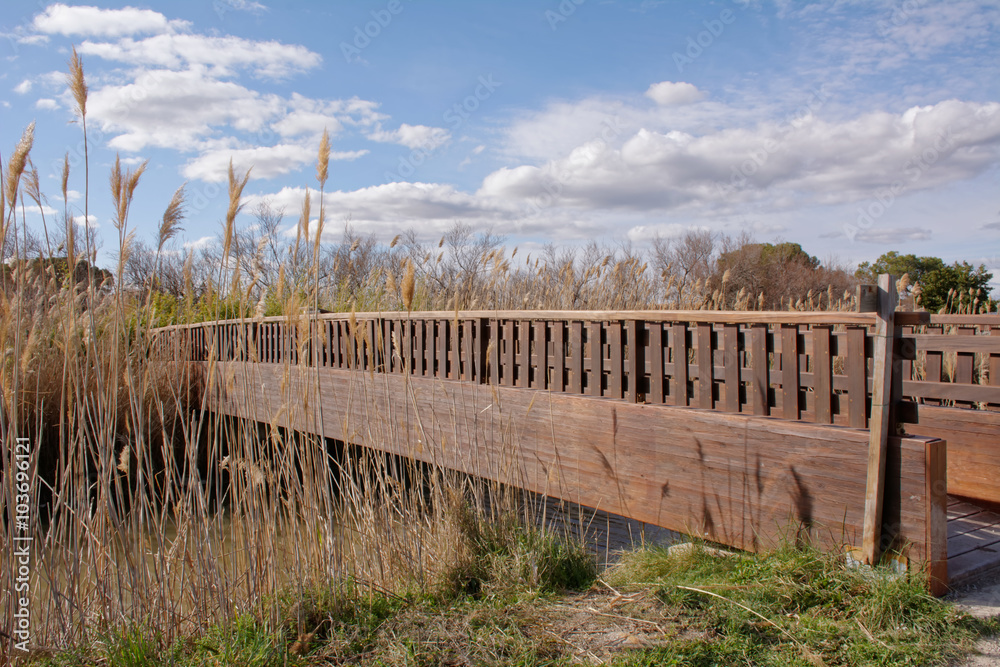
(524, 597)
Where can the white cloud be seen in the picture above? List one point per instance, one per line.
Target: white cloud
(413, 136)
(670, 93)
(222, 56)
(203, 242)
(97, 22)
(46, 104)
(23, 87)
(265, 161)
(146, 112)
(808, 160)
(223, 6)
(32, 208)
(893, 236)
(307, 116)
(394, 207)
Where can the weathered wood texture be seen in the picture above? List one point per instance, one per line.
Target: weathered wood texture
(732, 362)
(740, 480)
(883, 403)
(973, 448)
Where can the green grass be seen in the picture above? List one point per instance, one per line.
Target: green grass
(807, 608)
(794, 606)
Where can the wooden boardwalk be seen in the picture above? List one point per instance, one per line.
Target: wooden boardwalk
(745, 428)
(973, 541)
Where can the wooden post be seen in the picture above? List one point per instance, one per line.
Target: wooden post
(879, 426)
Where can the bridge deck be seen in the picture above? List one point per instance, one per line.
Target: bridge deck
(973, 541)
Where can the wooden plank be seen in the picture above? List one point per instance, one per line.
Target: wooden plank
(879, 430)
(822, 362)
(689, 316)
(761, 363)
(635, 330)
(596, 341)
(443, 337)
(932, 371)
(455, 356)
(706, 380)
(789, 371)
(372, 344)
(857, 378)
(965, 361)
(679, 356)
(973, 448)
(982, 521)
(523, 375)
(962, 340)
(559, 358)
(576, 357)
(507, 362)
(731, 366)
(616, 361)
(656, 372)
(540, 374)
(936, 495)
(430, 347)
(949, 391)
(467, 358)
(982, 539)
(670, 467)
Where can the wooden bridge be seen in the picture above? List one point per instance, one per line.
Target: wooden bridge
(858, 431)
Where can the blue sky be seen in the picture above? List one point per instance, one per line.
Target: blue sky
(852, 128)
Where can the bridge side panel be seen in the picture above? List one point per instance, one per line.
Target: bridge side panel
(973, 448)
(743, 481)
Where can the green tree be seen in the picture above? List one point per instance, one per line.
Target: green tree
(952, 288)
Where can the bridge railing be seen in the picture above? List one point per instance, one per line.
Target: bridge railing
(814, 366)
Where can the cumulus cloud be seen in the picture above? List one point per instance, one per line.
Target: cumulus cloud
(46, 104)
(893, 236)
(394, 207)
(308, 116)
(222, 56)
(203, 242)
(23, 87)
(670, 93)
(413, 136)
(808, 159)
(146, 112)
(263, 161)
(96, 22)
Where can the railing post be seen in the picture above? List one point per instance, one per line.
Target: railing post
(880, 425)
